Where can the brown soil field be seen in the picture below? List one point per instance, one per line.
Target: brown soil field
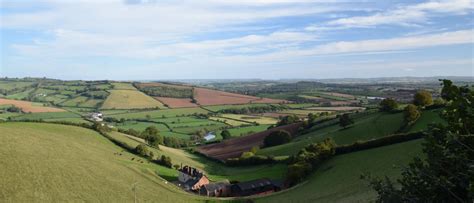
(27, 106)
(176, 102)
(235, 147)
(208, 97)
(155, 84)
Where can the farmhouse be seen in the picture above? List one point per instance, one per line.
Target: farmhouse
(255, 187)
(222, 189)
(191, 178)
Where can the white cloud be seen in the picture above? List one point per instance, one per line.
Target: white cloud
(411, 15)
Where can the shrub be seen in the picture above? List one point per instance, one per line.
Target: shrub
(423, 98)
(388, 105)
(411, 114)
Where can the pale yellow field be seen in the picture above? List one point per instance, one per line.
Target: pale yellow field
(249, 118)
(130, 99)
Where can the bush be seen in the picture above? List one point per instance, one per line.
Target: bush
(142, 150)
(277, 138)
(411, 114)
(423, 98)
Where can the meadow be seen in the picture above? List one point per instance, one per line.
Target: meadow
(338, 179)
(251, 119)
(64, 163)
(164, 113)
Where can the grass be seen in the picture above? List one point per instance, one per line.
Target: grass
(214, 170)
(426, 118)
(338, 179)
(251, 119)
(367, 127)
(165, 113)
(242, 131)
(235, 106)
(130, 99)
(82, 101)
(57, 163)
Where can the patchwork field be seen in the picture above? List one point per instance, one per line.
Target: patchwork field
(234, 147)
(164, 113)
(29, 106)
(176, 102)
(338, 179)
(64, 163)
(214, 170)
(228, 121)
(130, 99)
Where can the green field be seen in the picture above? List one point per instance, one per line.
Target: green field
(165, 113)
(228, 121)
(245, 130)
(130, 99)
(58, 163)
(217, 108)
(123, 86)
(47, 115)
(367, 127)
(251, 119)
(338, 179)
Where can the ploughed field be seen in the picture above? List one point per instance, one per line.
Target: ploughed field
(29, 106)
(207, 97)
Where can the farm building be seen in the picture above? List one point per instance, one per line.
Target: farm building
(221, 189)
(97, 116)
(191, 178)
(255, 187)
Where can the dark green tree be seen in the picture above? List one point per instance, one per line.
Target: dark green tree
(388, 105)
(446, 174)
(142, 150)
(226, 134)
(345, 120)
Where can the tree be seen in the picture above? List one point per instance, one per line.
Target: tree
(445, 174)
(388, 105)
(225, 134)
(345, 120)
(152, 137)
(411, 114)
(176, 166)
(423, 98)
(277, 138)
(288, 120)
(142, 150)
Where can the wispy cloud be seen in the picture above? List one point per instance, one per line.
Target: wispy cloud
(409, 15)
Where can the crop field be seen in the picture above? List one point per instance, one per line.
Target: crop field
(66, 163)
(7, 85)
(251, 119)
(234, 147)
(214, 170)
(30, 106)
(130, 99)
(139, 126)
(231, 122)
(338, 179)
(192, 129)
(303, 112)
(176, 102)
(209, 97)
(164, 113)
(301, 106)
(82, 102)
(365, 128)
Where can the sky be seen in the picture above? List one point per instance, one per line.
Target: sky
(244, 39)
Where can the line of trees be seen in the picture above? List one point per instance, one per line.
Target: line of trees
(253, 109)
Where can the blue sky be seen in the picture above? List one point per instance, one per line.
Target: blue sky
(212, 39)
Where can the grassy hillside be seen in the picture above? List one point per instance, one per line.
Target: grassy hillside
(367, 127)
(338, 180)
(58, 163)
